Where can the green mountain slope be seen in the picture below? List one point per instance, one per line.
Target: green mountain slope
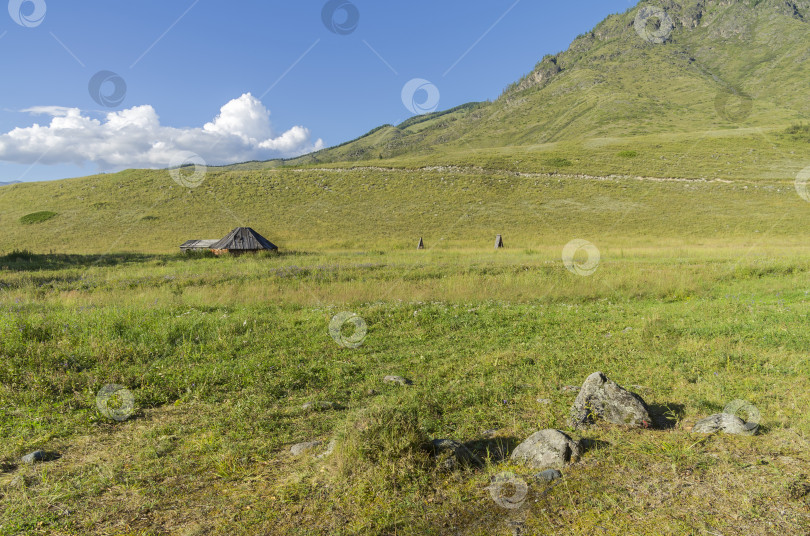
(725, 64)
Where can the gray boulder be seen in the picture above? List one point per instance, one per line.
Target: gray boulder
(723, 422)
(451, 455)
(301, 448)
(547, 448)
(602, 398)
(36, 456)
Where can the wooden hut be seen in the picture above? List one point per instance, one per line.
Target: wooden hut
(242, 240)
(197, 245)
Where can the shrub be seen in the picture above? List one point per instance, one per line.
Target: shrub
(627, 154)
(797, 132)
(37, 217)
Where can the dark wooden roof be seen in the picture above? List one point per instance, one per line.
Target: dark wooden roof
(244, 239)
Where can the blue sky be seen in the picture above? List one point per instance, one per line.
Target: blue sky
(171, 66)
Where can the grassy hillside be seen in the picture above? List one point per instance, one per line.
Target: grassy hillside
(609, 189)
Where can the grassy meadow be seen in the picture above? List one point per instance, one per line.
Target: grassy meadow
(699, 298)
(221, 354)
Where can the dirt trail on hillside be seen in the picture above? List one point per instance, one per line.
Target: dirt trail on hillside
(474, 170)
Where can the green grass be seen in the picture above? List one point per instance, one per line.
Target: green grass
(558, 162)
(37, 217)
(710, 276)
(221, 354)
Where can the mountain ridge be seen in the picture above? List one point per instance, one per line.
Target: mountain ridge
(724, 64)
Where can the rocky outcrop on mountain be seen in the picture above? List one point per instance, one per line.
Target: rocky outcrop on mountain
(542, 74)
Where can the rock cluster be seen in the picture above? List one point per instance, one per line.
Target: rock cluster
(599, 399)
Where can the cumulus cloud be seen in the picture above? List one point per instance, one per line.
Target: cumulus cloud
(135, 138)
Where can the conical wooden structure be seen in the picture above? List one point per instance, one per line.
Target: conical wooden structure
(498, 242)
(243, 240)
(421, 244)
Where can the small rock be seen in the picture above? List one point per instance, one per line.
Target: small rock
(723, 422)
(330, 447)
(569, 388)
(548, 475)
(543, 401)
(318, 405)
(397, 379)
(627, 330)
(36, 456)
(490, 433)
(451, 455)
(602, 398)
(547, 448)
(301, 448)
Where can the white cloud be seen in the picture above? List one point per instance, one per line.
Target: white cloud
(135, 138)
